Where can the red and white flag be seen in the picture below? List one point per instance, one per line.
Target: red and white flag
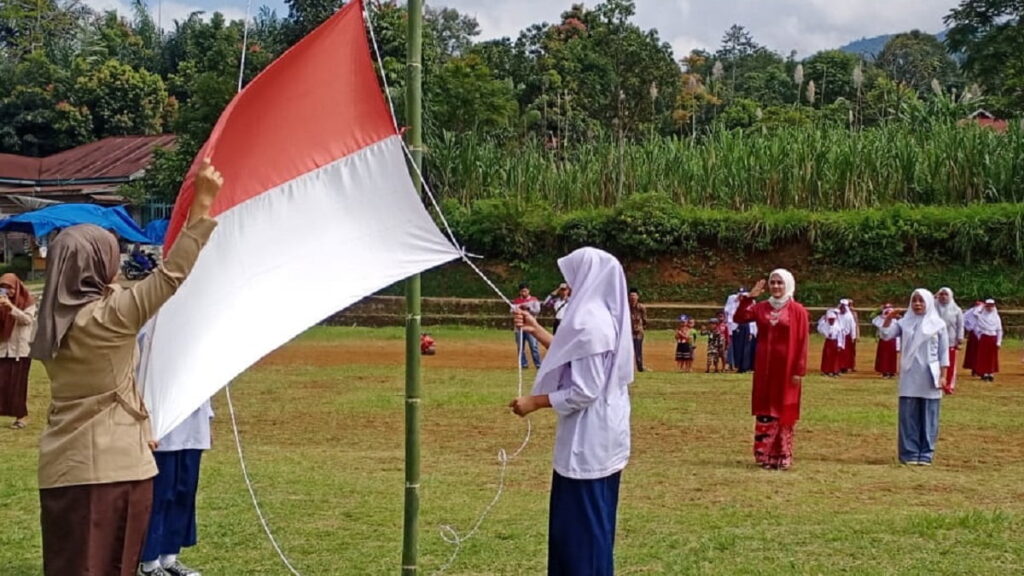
(317, 211)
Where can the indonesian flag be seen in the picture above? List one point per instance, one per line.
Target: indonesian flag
(317, 211)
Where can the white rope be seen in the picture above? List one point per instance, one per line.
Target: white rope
(380, 63)
(245, 45)
(248, 484)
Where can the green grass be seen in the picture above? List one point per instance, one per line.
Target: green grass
(324, 445)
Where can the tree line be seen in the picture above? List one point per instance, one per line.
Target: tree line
(70, 75)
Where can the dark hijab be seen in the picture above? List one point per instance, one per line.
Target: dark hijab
(82, 261)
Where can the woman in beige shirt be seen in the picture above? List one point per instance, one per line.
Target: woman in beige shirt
(17, 317)
(95, 463)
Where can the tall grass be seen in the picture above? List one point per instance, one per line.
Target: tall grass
(820, 169)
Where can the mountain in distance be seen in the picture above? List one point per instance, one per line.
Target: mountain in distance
(870, 47)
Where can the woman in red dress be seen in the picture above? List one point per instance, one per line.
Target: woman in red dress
(779, 367)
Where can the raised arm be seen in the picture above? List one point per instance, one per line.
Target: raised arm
(130, 309)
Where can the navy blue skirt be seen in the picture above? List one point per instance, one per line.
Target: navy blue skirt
(172, 523)
(581, 529)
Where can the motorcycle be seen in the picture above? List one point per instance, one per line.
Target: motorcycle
(138, 266)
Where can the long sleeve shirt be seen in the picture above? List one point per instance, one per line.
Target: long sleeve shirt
(592, 437)
(97, 427)
(18, 345)
(919, 375)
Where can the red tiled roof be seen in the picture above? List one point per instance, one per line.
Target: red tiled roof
(117, 157)
(997, 125)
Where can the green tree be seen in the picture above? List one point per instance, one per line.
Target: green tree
(744, 69)
(122, 99)
(832, 74)
(596, 72)
(915, 59)
(473, 99)
(48, 26)
(990, 35)
(305, 15)
(36, 118)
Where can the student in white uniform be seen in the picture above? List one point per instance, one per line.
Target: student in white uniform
(172, 522)
(585, 378)
(925, 357)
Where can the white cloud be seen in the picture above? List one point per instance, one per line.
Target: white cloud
(783, 25)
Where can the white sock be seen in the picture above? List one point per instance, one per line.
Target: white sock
(150, 566)
(168, 559)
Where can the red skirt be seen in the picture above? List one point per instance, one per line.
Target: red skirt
(14, 386)
(951, 371)
(848, 355)
(986, 360)
(830, 357)
(971, 352)
(886, 357)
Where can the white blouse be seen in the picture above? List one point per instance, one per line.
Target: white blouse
(592, 437)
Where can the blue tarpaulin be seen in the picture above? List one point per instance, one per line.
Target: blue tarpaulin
(41, 222)
(156, 230)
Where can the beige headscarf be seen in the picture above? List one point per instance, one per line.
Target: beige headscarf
(81, 262)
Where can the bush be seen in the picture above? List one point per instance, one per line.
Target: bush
(648, 225)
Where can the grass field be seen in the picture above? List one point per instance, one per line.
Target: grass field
(321, 421)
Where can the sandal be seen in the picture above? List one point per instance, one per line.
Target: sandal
(18, 425)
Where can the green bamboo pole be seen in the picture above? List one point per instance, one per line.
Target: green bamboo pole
(414, 139)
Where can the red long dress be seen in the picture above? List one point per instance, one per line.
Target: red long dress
(781, 354)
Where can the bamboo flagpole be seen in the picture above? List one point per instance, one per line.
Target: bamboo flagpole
(414, 139)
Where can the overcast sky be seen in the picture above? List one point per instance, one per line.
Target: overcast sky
(783, 25)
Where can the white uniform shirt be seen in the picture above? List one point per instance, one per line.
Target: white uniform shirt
(192, 434)
(592, 437)
(919, 376)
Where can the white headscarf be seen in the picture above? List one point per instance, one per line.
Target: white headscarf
(596, 319)
(919, 328)
(971, 316)
(788, 281)
(832, 331)
(950, 314)
(987, 323)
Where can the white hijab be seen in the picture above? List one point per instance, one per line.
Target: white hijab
(596, 320)
(919, 328)
(948, 312)
(832, 331)
(986, 322)
(788, 281)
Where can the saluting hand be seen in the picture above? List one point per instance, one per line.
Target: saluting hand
(758, 289)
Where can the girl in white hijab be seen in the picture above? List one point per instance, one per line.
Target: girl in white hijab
(953, 316)
(989, 328)
(922, 376)
(828, 326)
(585, 378)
